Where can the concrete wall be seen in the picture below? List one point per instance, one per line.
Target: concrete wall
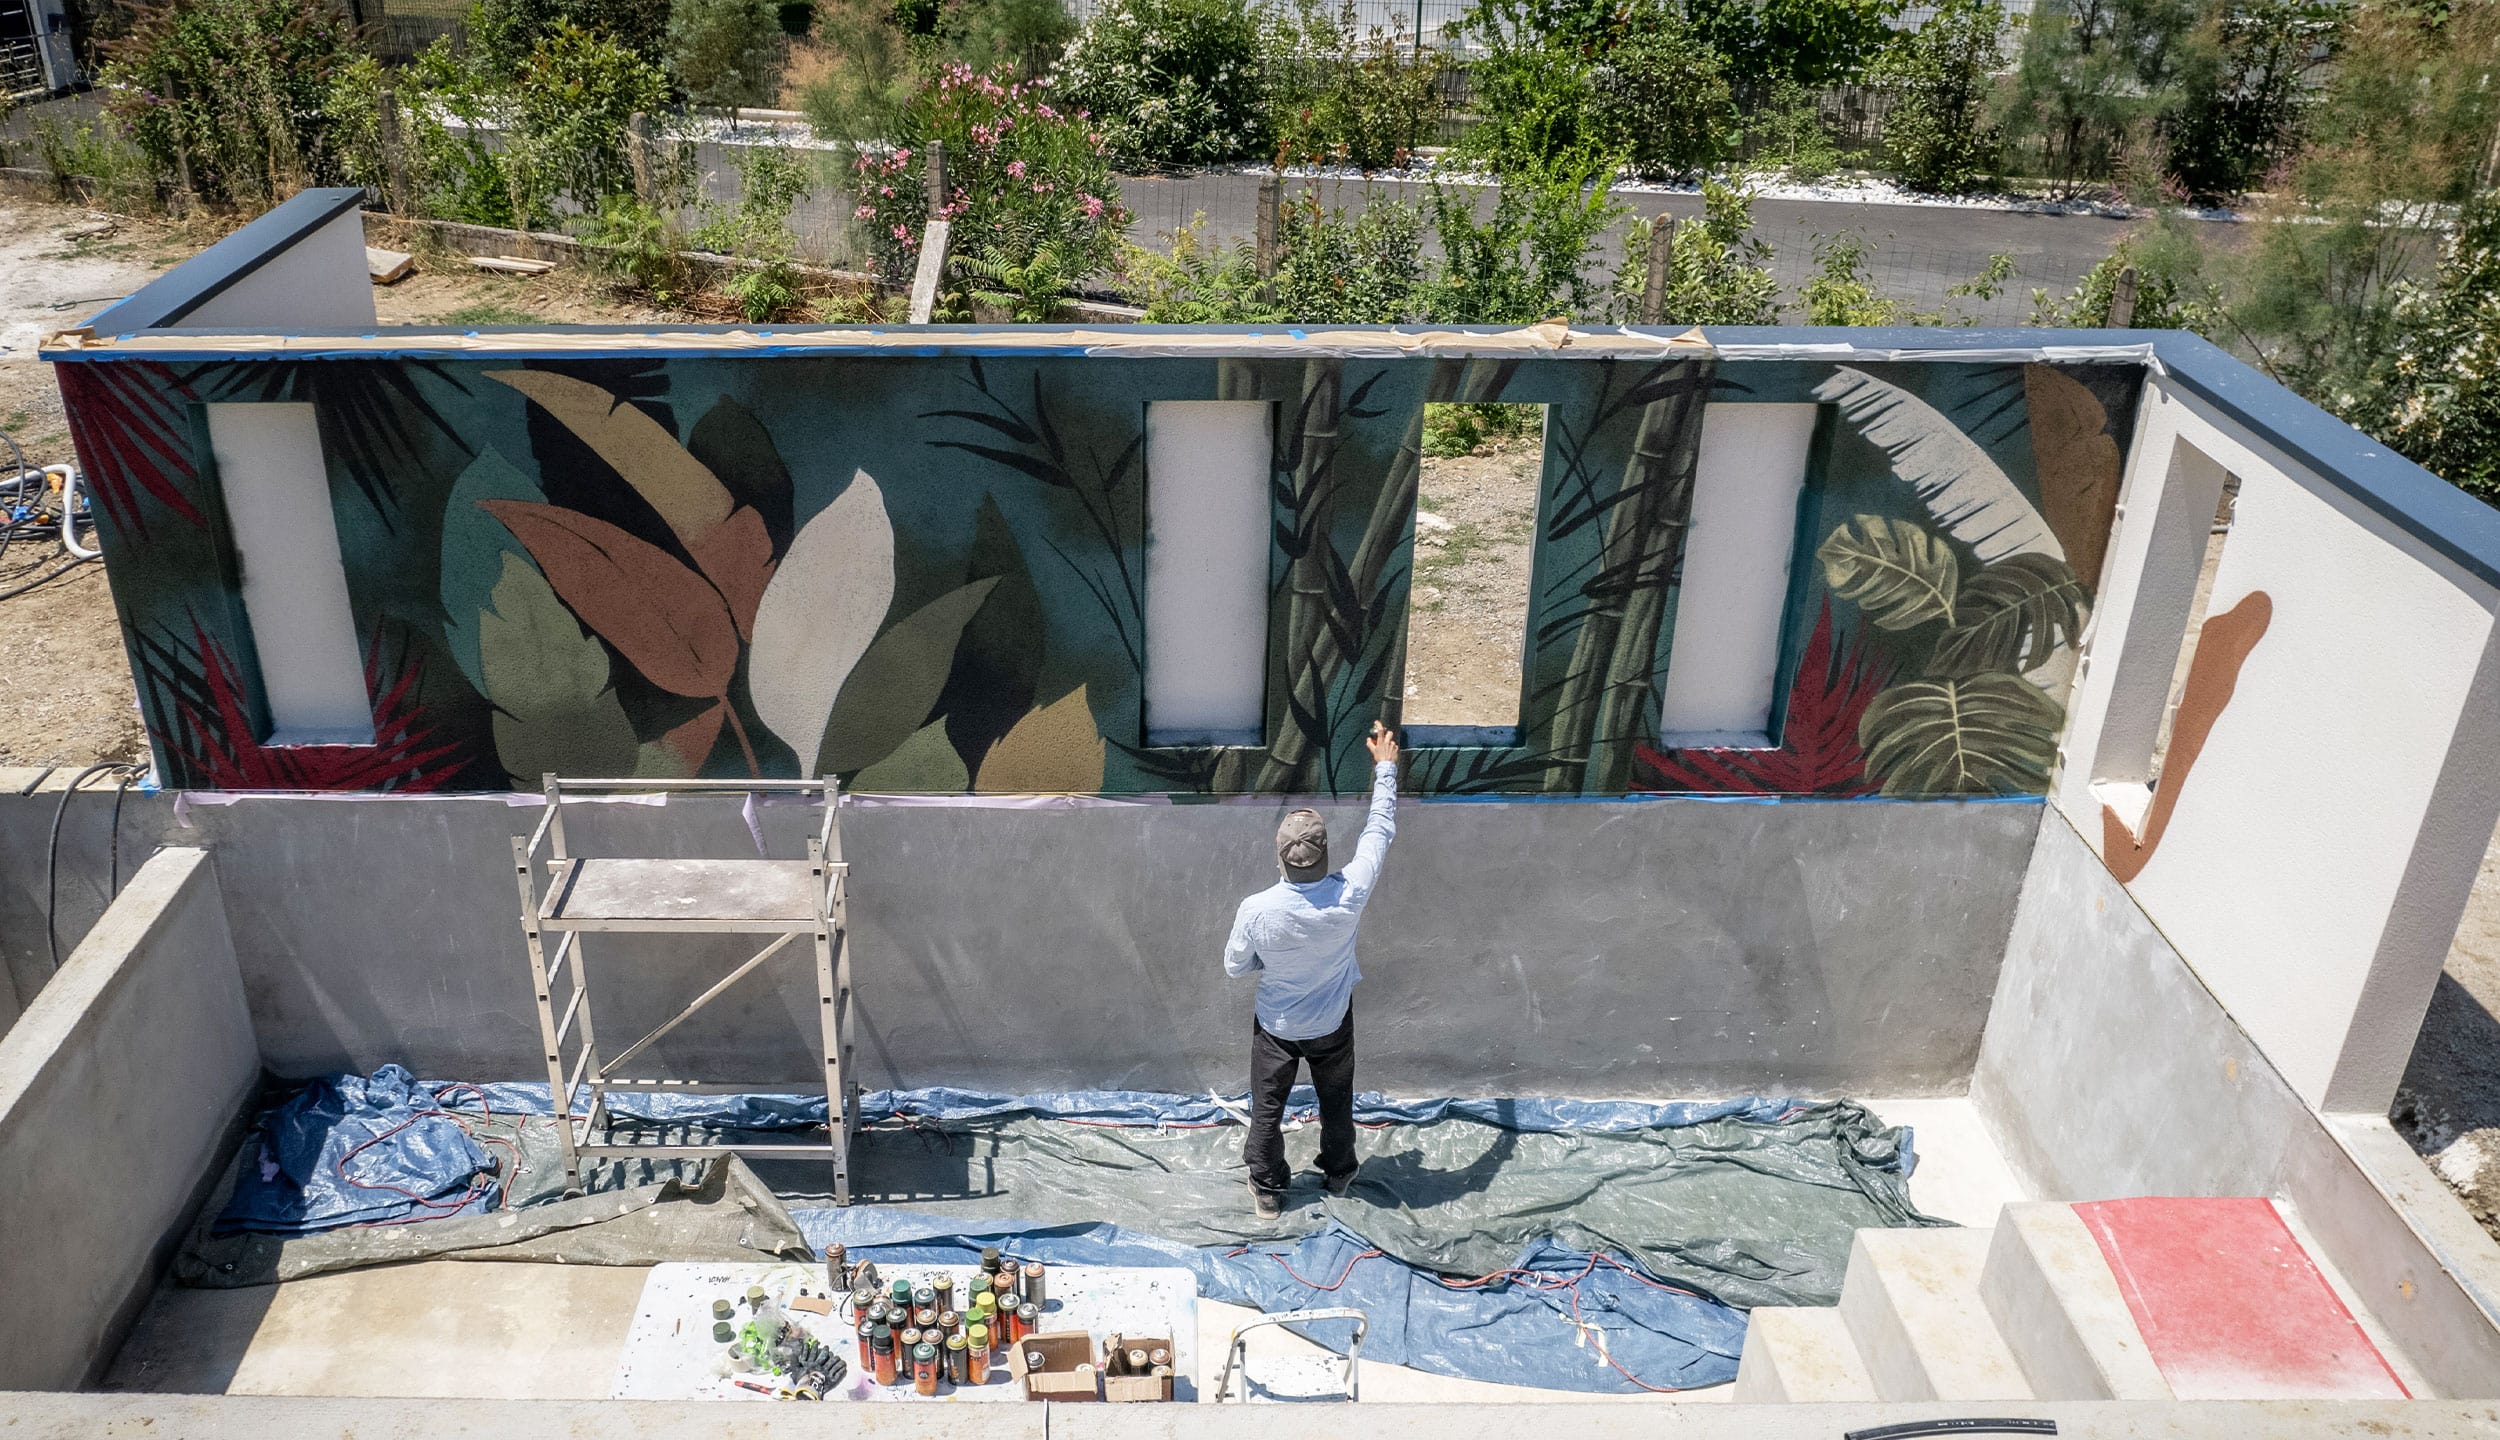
(117, 1087)
(1650, 948)
(2312, 862)
(2108, 1070)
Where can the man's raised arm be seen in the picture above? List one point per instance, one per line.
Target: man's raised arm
(1381, 826)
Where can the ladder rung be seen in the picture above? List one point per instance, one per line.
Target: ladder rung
(564, 952)
(564, 1026)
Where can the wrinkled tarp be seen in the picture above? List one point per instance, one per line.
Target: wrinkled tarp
(359, 1150)
(1559, 1326)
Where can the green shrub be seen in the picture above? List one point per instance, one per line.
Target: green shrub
(765, 294)
(1195, 283)
(1840, 292)
(1528, 262)
(1030, 290)
(1343, 94)
(1367, 269)
(501, 34)
(1795, 143)
(772, 179)
(2243, 89)
(1452, 429)
(2437, 395)
(1027, 36)
(1718, 272)
(2090, 80)
(725, 52)
(1937, 131)
(2171, 292)
(1813, 43)
(1172, 82)
(235, 89)
(637, 246)
(866, 92)
(94, 153)
(560, 126)
(1532, 100)
(1661, 100)
(1021, 174)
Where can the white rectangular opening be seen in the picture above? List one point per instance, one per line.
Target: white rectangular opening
(286, 543)
(2174, 584)
(1477, 491)
(1207, 524)
(1723, 669)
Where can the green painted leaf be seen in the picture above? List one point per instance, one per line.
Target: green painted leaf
(926, 764)
(2012, 615)
(734, 446)
(1898, 572)
(474, 546)
(890, 692)
(1978, 735)
(998, 667)
(549, 683)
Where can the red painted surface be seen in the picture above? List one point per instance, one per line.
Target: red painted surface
(2230, 1306)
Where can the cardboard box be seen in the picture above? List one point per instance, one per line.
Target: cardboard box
(1136, 1387)
(1058, 1377)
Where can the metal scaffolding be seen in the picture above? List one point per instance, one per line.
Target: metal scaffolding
(786, 899)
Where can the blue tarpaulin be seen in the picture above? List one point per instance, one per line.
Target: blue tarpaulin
(361, 1150)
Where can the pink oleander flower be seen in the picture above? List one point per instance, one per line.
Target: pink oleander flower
(1016, 168)
(1093, 208)
(900, 233)
(865, 212)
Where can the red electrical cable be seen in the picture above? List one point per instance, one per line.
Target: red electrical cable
(433, 1208)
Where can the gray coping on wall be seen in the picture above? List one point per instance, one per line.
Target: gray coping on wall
(193, 283)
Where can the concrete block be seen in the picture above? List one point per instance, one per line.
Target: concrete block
(2052, 1297)
(1911, 1300)
(1802, 1356)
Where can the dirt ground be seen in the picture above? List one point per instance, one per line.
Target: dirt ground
(65, 692)
(1474, 530)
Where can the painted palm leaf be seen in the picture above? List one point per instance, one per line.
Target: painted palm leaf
(2011, 616)
(1978, 735)
(1897, 573)
(1973, 499)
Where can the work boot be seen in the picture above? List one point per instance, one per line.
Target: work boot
(1340, 1184)
(1268, 1203)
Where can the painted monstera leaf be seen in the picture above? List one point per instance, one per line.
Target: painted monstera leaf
(1056, 750)
(820, 614)
(1898, 573)
(550, 684)
(896, 682)
(2013, 615)
(1967, 493)
(1975, 735)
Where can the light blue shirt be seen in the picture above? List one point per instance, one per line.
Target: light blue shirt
(1300, 938)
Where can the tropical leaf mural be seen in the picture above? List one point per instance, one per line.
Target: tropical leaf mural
(1979, 735)
(1899, 574)
(200, 710)
(1056, 750)
(2013, 615)
(1819, 752)
(1963, 488)
(821, 614)
(556, 707)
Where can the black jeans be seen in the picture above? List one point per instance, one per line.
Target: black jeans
(1272, 1066)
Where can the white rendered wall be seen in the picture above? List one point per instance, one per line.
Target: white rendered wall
(1207, 522)
(286, 540)
(1724, 667)
(2319, 853)
(318, 283)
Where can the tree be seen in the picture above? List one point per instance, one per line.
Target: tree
(1660, 99)
(1938, 131)
(2091, 78)
(1810, 42)
(2244, 85)
(2438, 397)
(725, 52)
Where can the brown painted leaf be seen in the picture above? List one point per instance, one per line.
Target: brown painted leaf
(689, 497)
(1056, 750)
(2077, 463)
(890, 691)
(662, 617)
(737, 557)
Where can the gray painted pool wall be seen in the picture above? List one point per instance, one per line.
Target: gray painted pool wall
(1659, 948)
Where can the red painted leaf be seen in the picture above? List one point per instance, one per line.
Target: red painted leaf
(692, 742)
(1819, 752)
(214, 746)
(666, 620)
(737, 557)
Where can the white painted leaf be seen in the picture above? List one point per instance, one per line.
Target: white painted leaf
(1968, 494)
(820, 612)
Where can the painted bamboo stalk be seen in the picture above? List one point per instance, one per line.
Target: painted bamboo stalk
(1298, 690)
(1607, 692)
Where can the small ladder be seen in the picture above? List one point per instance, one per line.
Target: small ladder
(786, 899)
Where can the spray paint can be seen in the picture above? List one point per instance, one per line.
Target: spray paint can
(1136, 1362)
(950, 1323)
(1028, 1319)
(837, 1269)
(723, 1333)
(867, 1356)
(958, 1363)
(924, 1297)
(1033, 1284)
(881, 1348)
(899, 1295)
(1159, 1360)
(977, 1354)
(924, 1368)
(989, 1259)
(942, 1292)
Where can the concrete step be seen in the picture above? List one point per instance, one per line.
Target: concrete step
(2053, 1298)
(1911, 1301)
(1804, 1356)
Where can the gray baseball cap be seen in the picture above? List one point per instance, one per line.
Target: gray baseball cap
(1302, 846)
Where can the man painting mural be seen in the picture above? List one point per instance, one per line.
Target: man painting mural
(1299, 935)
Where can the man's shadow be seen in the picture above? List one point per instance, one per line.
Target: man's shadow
(1406, 1178)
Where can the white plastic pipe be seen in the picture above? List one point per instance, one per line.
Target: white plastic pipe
(69, 511)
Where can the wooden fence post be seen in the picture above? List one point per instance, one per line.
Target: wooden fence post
(1271, 207)
(931, 272)
(2122, 300)
(394, 160)
(638, 154)
(933, 175)
(1661, 257)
